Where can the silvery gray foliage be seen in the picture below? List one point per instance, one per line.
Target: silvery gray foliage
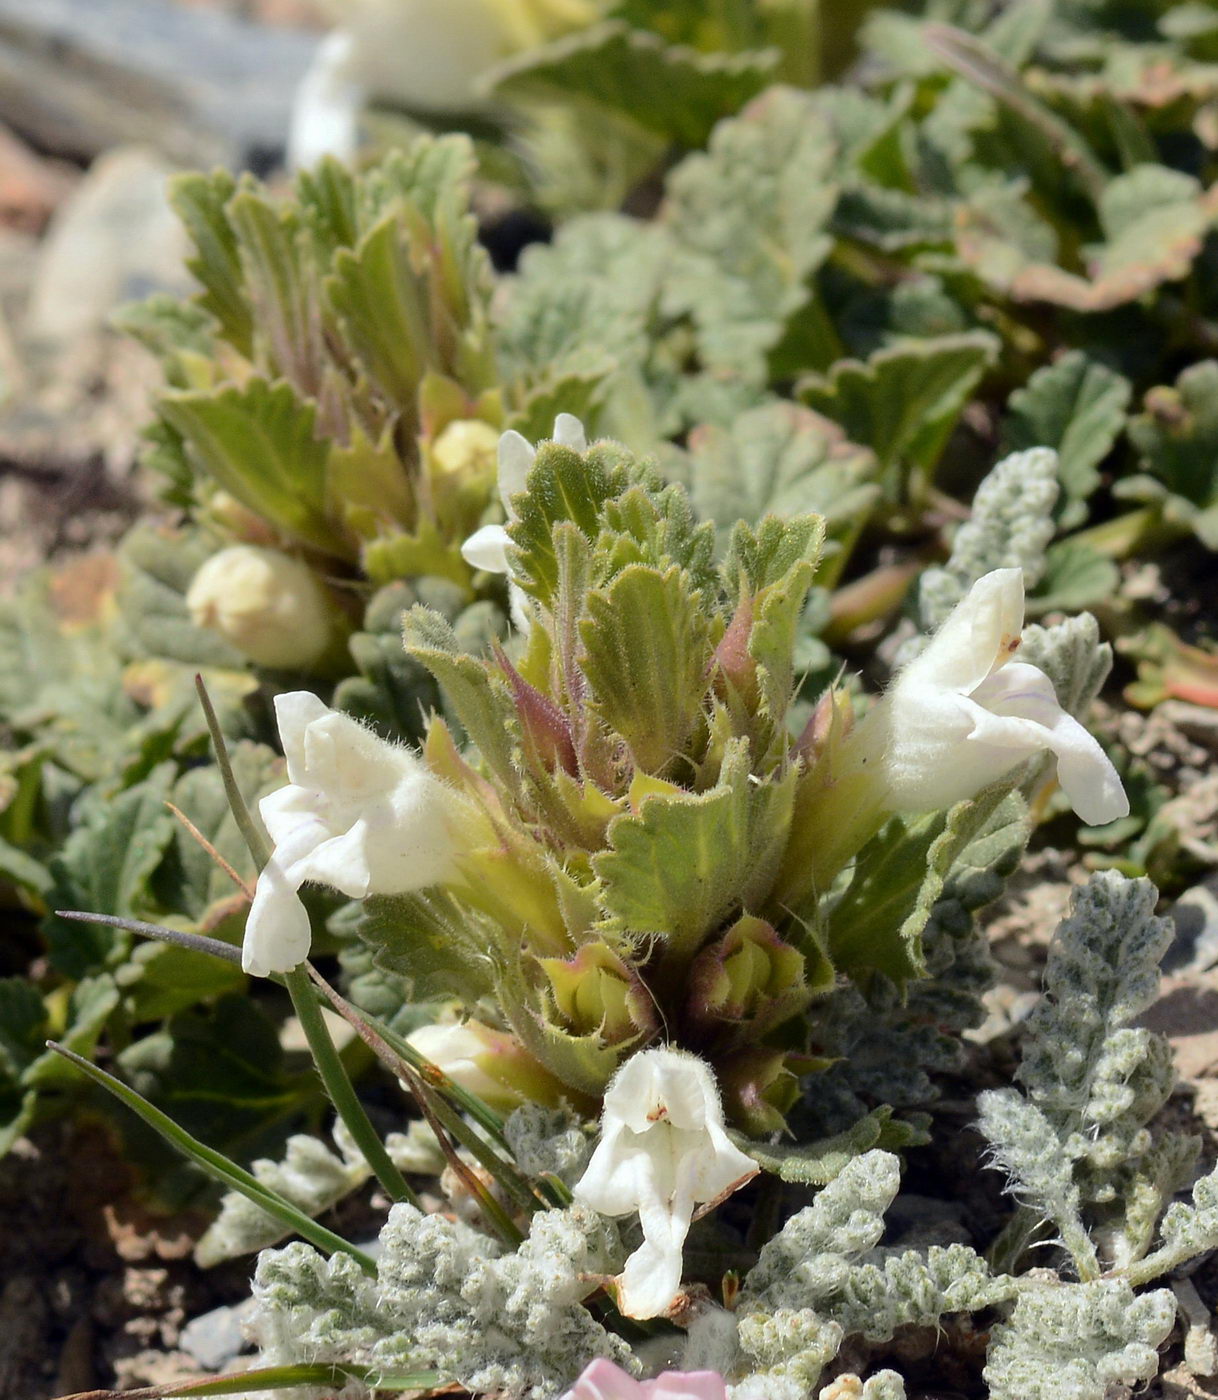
(548, 1141)
(1188, 1229)
(310, 1176)
(1010, 527)
(449, 1298)
(1093, 1081)
(893, 1288)
(891, 1045)
(1075, 1341)
(821, 1279)
(1071, 654)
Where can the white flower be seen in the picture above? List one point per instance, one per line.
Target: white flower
(963, 713)
(271, 607)
(663, 1149)
(427, 55)
(358, 814)
(487, 548)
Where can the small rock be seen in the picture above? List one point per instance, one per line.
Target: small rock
(115, 239)
(216, 1338)
(1195, 915)
(1187, 1014)
(199, 83)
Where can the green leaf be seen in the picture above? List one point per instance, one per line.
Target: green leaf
(1075, 577)
(216, 1165)
(440, 946)
(647, 650)
(394, 691)
(158, 563)
(818, 1163)
(784, 460)
(260, 443)
(876, 925)
(905, 400)
(484, 711)
(23, 1018)
(1076, 406)
(669, 89)
(191, 882)
(748, 218)
(688, 861)
(564, 485)
(1177, 435)
(201, 203)
(89, 1008)
(219, 1072)
(287, 327)
(105, 866)
(1155, 219)
(266, 1378)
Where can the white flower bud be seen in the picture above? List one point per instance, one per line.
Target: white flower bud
(466, 1052)
(663, 1149)
(466, 447)
(269, 606)
(963, 713)
(358, 814)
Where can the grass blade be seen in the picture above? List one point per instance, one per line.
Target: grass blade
(196, 942)
(218, 1166)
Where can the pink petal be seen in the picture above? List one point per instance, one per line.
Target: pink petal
(602, 1380)
(686, 1385)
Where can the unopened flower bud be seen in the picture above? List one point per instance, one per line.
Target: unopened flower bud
(269, 606)
(760, 1087)
(748, 976)
(596, 992)
(489, 1063)
(467, 447)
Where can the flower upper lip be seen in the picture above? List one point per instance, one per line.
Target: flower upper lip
(962, 714)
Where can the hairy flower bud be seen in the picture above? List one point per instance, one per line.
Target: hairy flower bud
(269, 606)
(760, 1087)
(489, 1063)
(467, 447)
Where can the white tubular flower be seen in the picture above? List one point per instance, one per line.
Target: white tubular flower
(358, 814)
(663, 1149)
(427, 55)
(963, 713)
(487, 548)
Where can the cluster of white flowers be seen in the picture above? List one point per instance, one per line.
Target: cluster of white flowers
(363, 816)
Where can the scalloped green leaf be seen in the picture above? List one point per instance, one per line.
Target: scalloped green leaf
(904, 401)
(669, 89)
